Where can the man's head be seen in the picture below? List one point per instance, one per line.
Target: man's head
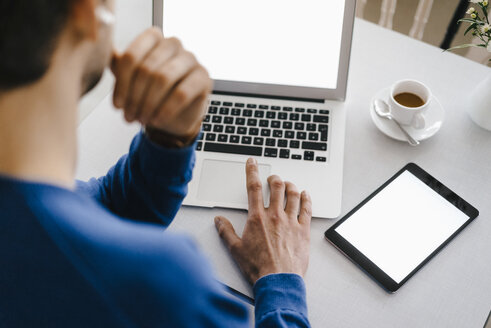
(31, 32)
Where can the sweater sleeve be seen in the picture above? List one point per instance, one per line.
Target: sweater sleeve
(148, 184)
(281, 301)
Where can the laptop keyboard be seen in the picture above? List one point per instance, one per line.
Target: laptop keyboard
(266, 131)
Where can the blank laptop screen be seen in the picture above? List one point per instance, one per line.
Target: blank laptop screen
(282, 42)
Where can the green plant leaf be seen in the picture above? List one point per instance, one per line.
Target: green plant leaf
(468, 20)
(468, 45)
(473, 26)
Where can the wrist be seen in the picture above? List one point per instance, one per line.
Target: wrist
(169, 140)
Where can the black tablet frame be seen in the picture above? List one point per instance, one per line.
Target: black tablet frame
(368, 266)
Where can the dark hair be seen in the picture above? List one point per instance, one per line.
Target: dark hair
(29, 31)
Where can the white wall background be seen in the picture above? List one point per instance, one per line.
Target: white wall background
(132, 17)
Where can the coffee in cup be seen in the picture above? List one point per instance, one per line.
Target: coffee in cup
(408, 101)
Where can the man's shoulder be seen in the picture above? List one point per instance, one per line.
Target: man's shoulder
(127, 258)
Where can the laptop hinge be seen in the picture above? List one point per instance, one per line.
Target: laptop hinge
(269, 97)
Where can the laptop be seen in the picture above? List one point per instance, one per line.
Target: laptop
(280, 69)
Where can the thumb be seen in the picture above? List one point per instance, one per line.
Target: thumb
(226, 232)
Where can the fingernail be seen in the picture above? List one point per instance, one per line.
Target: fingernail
(217, 221)
(118, 102)
(251, 161)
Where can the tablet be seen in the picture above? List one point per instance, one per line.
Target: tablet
(401, 226)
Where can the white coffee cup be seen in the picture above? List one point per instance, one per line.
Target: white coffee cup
(405, 114)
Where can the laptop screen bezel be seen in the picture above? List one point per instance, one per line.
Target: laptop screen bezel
(288, 91)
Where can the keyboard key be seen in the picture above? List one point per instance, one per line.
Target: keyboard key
(211, 137)
(294, 144)
(271, 142)
(313, 136)
(324, 112)
(311, 127)
(207, 118)
(294, 117)
(230, 129)
(228, 104)
(213, 110)
(284, 153)
(314, 145)
(259, 114)
(287, 109)
(258, 141)
(299, 126)
(289, 134)
(323, 129)
(263, 107)
(247, 113)
(306, 118)
(240, 121)
(234, 149)
(308, 156)
(283, 143)
(251, 106)
(312, 111)
(199, 146)
(321, 119)
(275, 107)
(265, 132)
(301, 135)
(253, 131)
(241, 105)
(216, 119)
(264, 123)
(278, 133)
(282, 116)
(236, 112)
(218, 128)
(216, 103)
(246, 140)
(223, 138)
(321, 159)
(228, 120)
(271, 115)
(234, 139)
(241, 130)
(271, 152)
(224, 110)
(252, 122)
(201, 136)
(207, 127)
(287, 125)
(275, 124)
(297, 157)
(300, 110)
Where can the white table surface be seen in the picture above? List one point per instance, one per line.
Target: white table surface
(453, 289)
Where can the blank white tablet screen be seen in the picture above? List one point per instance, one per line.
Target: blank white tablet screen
(402, 225)
(284, 42)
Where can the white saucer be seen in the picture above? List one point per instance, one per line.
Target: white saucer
(434, 117)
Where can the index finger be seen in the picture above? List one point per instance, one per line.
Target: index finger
(254, 186)
(123, 66)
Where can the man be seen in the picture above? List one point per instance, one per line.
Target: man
(95, 254)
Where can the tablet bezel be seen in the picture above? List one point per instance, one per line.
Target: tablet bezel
(368, 266)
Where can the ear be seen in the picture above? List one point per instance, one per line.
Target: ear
(84, 20)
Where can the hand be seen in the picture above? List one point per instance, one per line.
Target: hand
(275, 239)
(161, 85)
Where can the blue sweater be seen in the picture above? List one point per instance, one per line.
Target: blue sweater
(100, 256)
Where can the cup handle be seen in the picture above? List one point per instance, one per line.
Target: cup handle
(418, 122)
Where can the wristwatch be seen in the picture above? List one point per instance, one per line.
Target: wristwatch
(168, 140)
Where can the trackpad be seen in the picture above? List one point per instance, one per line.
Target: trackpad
(225, 182)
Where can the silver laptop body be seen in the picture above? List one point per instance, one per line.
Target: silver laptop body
(295, 132)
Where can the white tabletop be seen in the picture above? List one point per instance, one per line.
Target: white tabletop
(453, 289)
